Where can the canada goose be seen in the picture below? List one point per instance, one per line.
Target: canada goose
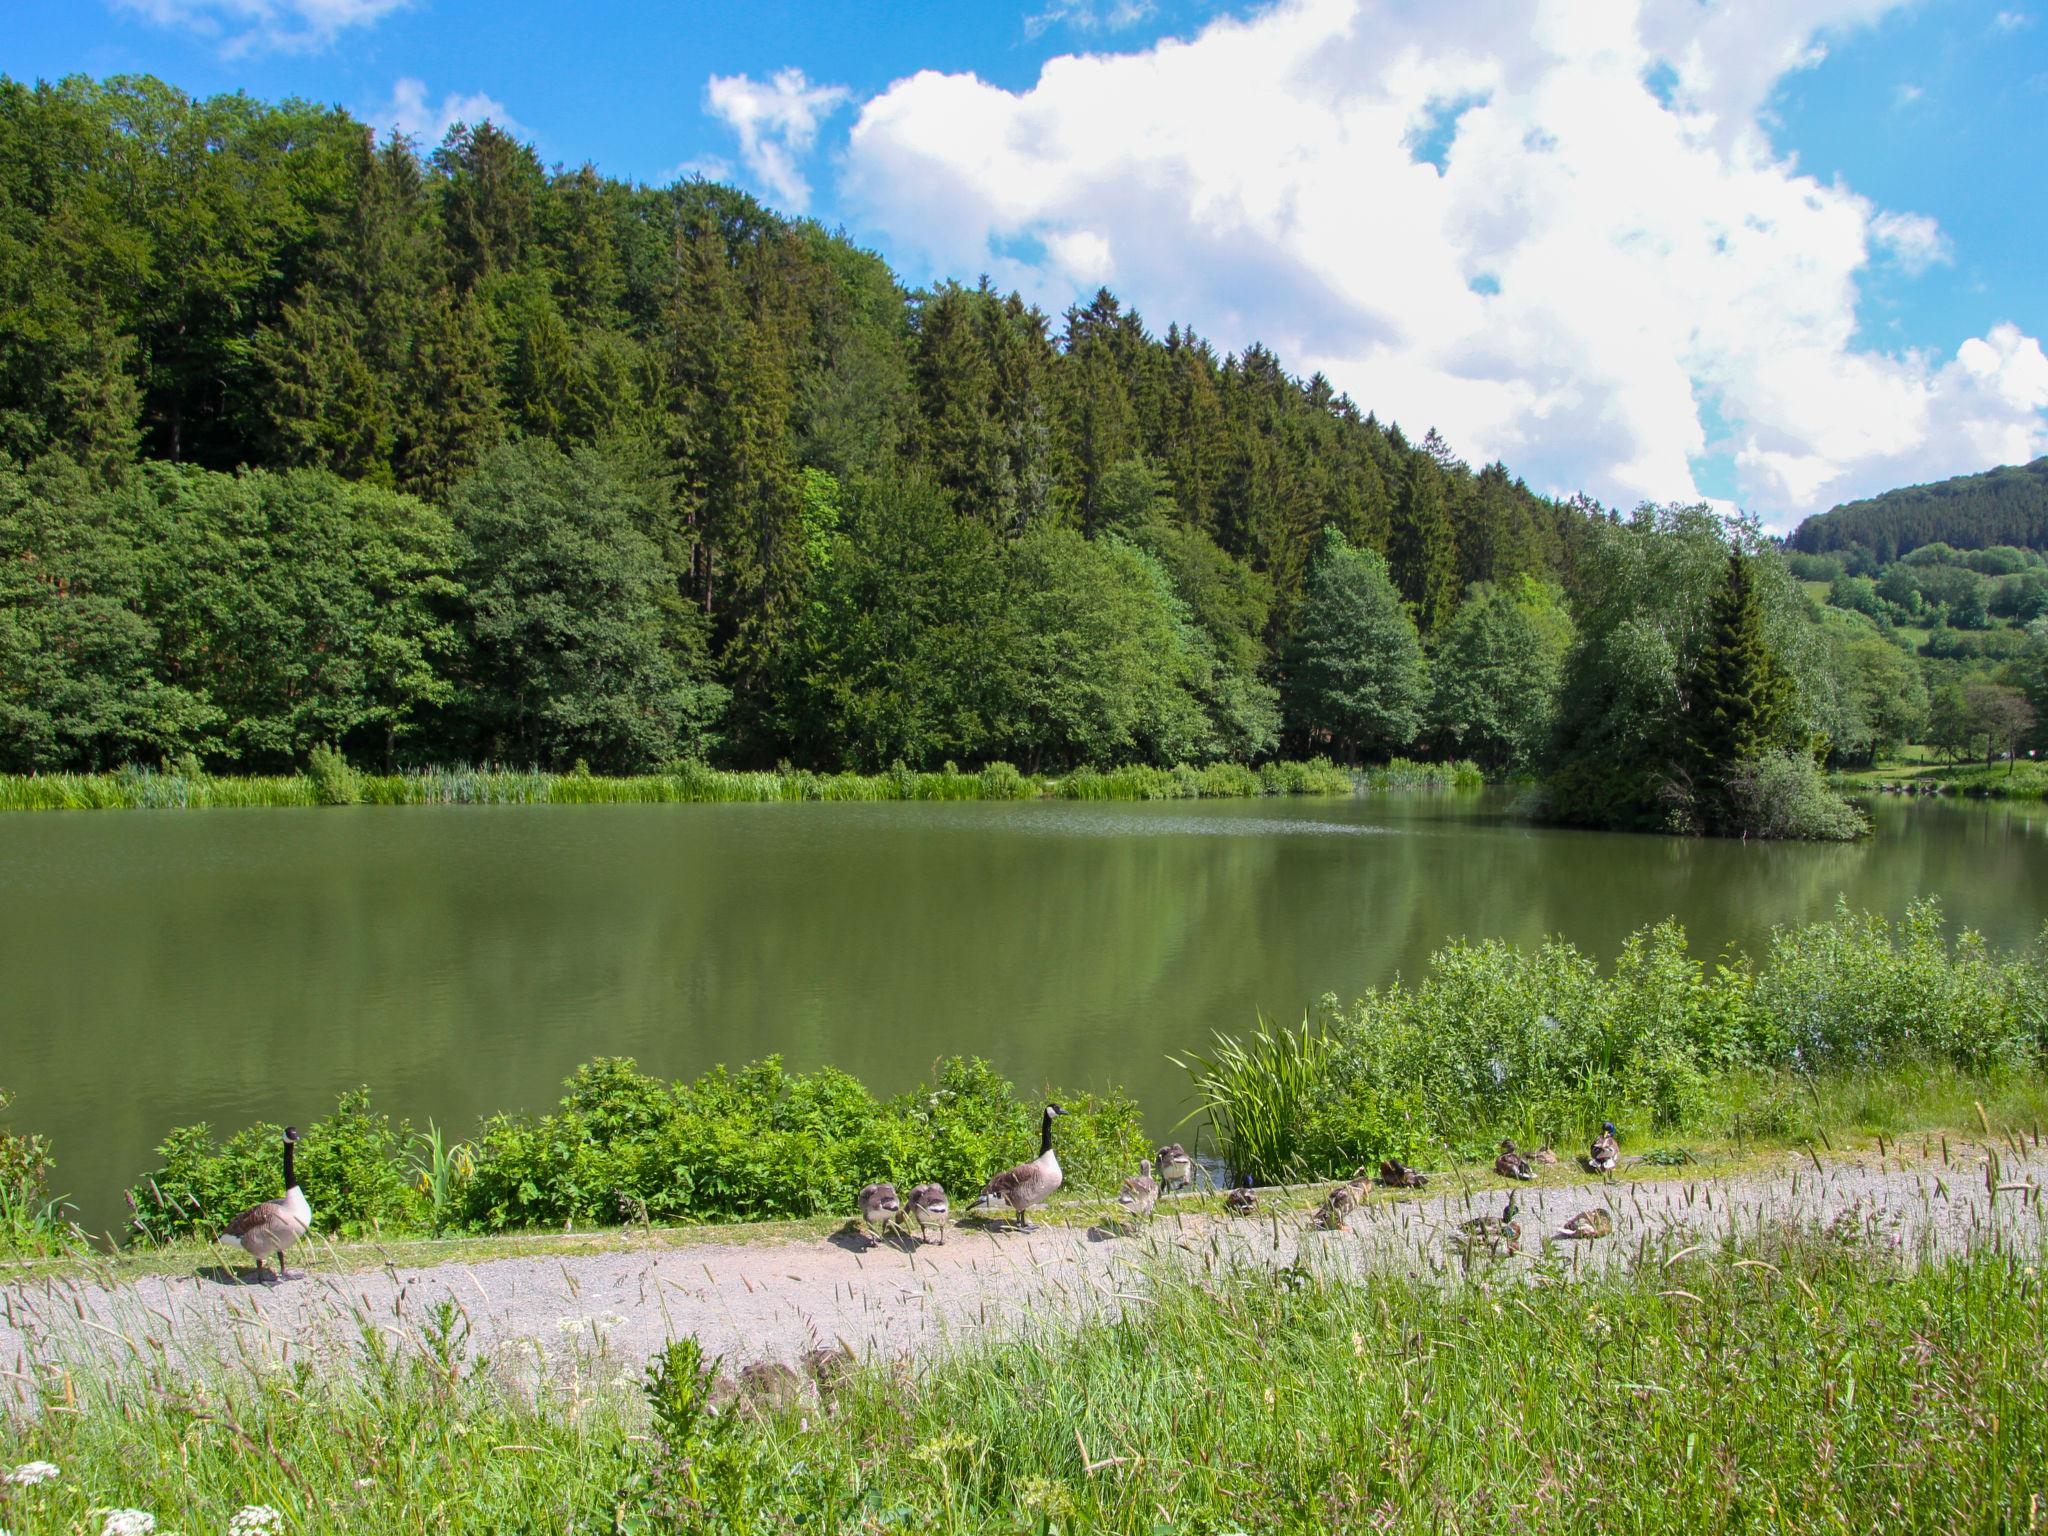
(879, 1207)
(274, 1225)
(1338, 1206)
(1606, 1150)
(1175, 1168)
(1140, 1192)
(1511, 1164)
(929, 1205)
(1243, 1200)
(1588, 1224)
(1501, 1231)
(1027, 1184)
(1396, 1174)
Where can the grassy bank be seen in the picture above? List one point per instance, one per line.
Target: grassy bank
(1800, 1380)
(2024, 780)
(333, 783)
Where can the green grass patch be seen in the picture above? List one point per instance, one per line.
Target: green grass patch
(1797, 1380)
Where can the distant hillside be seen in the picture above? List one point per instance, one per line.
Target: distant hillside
(2000, 506)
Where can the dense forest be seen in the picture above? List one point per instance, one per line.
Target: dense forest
(440, 456)
(2005, 506)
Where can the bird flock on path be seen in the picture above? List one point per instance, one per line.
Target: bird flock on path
(266, 1230)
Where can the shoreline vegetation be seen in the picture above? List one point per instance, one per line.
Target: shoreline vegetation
(1849, 1026)
(332, 782)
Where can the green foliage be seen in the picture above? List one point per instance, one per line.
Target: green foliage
(334, 781)
(1355, 675)
(2007, 506)
(1540, 1045)
(352, 1165)
(31, 1219)
(1260, 1096)
(1495, 673)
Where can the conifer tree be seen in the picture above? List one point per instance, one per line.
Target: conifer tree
(1735, 697)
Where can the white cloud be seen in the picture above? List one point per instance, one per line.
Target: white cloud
(777, 123)
(1089, 15)
(2011, 21)
(245, 25)
(1611, 249)
(1905, 94)
(410, 112)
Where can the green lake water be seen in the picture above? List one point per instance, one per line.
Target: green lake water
(159, 968)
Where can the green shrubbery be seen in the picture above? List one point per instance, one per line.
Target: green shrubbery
(752, 1144)
(1539, 1044)
(30, 1218)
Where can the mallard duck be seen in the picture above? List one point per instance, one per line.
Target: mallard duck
(1027, 1184)
(1588, 1224)
(1243, 1200)
(1606, 1150)
(767, 1385)
(1175, 1169)
(1338, 1207)
(1544, 1156)
(1511, 1164)
(930, 1208)
(1501, 1231)
(1140, 1192)
(275, 1225)
(1396, 1174)
(829, 1365)
(879, 1207)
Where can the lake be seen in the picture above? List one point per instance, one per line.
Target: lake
(160, 968)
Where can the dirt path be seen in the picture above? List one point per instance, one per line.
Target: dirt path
(775, 1300)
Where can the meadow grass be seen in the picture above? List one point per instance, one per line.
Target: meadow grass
(1796, 1380)
(694, 783)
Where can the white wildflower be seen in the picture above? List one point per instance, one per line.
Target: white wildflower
(29, 1473)
(568, 1325)
(128, 1522)
(253, 1518)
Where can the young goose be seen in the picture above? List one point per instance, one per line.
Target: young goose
(879, 1207)
(1396, 1174)
(1338, 1207)
(929, 1205)
(1606, 1150)
(1243, 1200)
(1588, 1224)
(1501, 1231)
(1511, 1164)
(1027, 1184)
(1140, 1192)
(1175, 1168)
(274, 1225)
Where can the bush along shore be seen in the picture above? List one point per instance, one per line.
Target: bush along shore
(1852, 1024)
(331, 781)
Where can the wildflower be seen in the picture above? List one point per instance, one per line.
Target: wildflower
(251, 1519)
(128, 1522)
(29, 1473)
(1358, 1344)
(1269, 1397)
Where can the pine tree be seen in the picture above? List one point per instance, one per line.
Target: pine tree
(1424, 549)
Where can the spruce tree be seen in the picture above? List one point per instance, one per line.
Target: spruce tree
(1735, 696)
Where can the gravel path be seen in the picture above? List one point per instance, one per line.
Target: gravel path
(775, 1300)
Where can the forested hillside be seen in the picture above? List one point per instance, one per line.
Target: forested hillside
(2005, 506)
(317, 438)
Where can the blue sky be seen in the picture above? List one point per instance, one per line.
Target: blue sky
(1774, 252)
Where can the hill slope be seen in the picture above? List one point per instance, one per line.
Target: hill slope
(2008, 505)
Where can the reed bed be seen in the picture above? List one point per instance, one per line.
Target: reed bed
(688, 783)
(1798, 1379)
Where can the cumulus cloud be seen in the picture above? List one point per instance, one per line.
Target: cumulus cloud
(410, 113)
(245, 25)
(777, 122)
(1558, 231)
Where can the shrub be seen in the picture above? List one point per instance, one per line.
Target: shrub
(334, 781)
(1785, 795)
(31, 1218)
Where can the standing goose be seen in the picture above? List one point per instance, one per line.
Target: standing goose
(1511, 1164)
(929, 1205)
(1175, 1168)
(1606, 1150)
(879, 1207)
(1140, 1192)
(1243, 1200)
(274, 1225)
(1027, 1184)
